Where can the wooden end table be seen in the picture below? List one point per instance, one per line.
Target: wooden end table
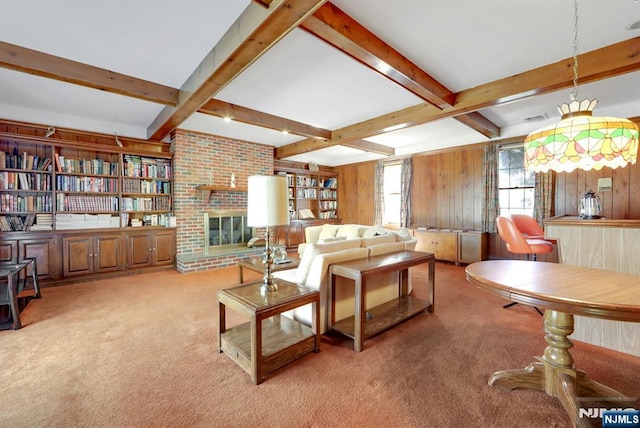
(255, 264)
(269, 340)
(389, 314)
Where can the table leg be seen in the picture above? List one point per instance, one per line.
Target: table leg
(34, 274)
(222, 324)
(431, 292)
(12, 285)
(256, 350)
(315, 322)
(555, 372)
(359, 316)
(240, 276)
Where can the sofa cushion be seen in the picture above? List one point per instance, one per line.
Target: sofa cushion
(385, 248)
(334, 239)
(328, 231)
(403, 235)
(349, 231)
(314, 249)
(382, 239)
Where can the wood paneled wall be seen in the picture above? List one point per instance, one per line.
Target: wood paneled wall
(447, 192)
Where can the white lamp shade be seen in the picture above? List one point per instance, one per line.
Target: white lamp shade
(267, 201)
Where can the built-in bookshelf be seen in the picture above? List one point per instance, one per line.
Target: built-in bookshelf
(61, 186)
(312, 194)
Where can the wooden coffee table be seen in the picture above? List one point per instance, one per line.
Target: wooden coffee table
(255, 264)
(268, 340)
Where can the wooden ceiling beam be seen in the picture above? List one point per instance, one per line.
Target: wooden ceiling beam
(309, 145)
(253, 117)
(253, 33)
(53, 67)
(338, 29)
(370, 147)
(610, 61)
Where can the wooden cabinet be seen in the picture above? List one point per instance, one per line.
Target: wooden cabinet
(290, 235)
(443, 244)
(87, 254)
(472, 246)
(150, 248)
(453, 245)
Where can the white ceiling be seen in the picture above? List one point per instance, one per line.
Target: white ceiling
(461, 43)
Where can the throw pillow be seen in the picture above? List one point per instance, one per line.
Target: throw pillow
(403, 235)
(349, 231)
(328, 231)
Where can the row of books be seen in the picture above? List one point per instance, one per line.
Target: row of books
(85, 166)
(328, 194)
(10, 202)
(155, 203)
(328, 205)
(32, 221)
(16, 160)
(24, 181)
(327, 214)
(81, 203)
(140, 166)
(133, 185)
(86, 221)
(306, 193)
(70, 183)
(306, 181)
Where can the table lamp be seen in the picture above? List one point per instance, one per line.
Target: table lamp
(267, 206)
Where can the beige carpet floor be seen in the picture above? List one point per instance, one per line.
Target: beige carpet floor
(141, 351)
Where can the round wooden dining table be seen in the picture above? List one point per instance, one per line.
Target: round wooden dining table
(563, 291)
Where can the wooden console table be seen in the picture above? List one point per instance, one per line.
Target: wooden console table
(269, 340)
(563, 290)
(389, 314)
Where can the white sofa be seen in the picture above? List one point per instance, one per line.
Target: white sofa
(328, 244)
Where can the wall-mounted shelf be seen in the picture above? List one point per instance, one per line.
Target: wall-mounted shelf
(208, 189)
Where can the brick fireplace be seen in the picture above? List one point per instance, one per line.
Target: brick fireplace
(202, 159)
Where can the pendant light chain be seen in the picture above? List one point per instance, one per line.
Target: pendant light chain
(574, 93)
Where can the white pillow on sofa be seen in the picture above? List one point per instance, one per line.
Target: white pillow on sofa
(328, 231)
(334, 239)
(403, 235)
(349, 231)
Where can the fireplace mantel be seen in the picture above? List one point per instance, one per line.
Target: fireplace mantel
(209, 189)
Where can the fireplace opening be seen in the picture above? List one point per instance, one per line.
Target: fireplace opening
(226, 229)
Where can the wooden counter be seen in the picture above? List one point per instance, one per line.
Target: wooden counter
(603, 244)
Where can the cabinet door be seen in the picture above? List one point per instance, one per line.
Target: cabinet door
(77, 255)
(472, 247)
(164, 247)
(280, 235)
(43, 250)
(139, 249)
(426, 241)
(9, 251)
(296, 235)
(447, 246)
(107, 254)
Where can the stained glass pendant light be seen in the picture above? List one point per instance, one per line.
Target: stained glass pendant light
(579, 140)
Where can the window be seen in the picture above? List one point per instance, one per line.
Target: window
(392, 179)
(515, 183)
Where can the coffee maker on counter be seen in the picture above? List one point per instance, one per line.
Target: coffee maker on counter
(590, 207)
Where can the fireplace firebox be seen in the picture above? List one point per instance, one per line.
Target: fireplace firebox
(226, 229)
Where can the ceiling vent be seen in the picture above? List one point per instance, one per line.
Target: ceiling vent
(538, 118)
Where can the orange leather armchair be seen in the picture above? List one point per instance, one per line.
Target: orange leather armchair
(517, 243)
(528, 226)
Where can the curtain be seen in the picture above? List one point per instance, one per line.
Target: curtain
(378, 194)
(544, 196)
(405, 192)
(490, 201)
